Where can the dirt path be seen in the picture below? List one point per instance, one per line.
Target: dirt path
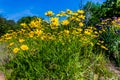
(114, 69)
(2, 55)
(2, 76)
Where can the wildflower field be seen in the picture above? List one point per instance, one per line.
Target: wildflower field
(67, 46)
(61, 49)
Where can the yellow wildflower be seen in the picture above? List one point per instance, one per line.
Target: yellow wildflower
(15, 50)
(11, 44)
(80, 11)
(22, 30)
(66, 31)
(65, 22)
(69, 11)
(24, 47)
(96, 32)
(0, 39)
(104, 47)
(38, 32)
(32, 24)
(101, 41)
(43, 37)
(21, 40)
(54, 19)
(77, 19)
(23, 25)
(8, 38)
(58, 15)
(54, 24)
(49, 13)
(72, 18)
(75, 14)
(81, 17)
(91, 43)
(31, 34)
(100, 32)
(62, 13)
(98, 43)
(81, 24)
(87, 32)
(79, 29)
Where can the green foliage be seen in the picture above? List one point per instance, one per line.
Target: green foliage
(6, 25)
(112, 8)
(111, 37)
(26, 19)
(93, 12)
(57, 61)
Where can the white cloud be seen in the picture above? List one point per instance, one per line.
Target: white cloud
(18, 15)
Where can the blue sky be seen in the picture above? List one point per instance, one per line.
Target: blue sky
(15, 9)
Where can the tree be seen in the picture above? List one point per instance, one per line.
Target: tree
(112, 8)
(93, 12)
(26, 19)
(6, 25)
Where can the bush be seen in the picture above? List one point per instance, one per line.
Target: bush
(109, 33)
(53, 50)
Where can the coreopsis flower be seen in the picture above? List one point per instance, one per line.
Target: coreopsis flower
(72, 18)
(38, 32)
(80, 12)
(62, 13)
(0, 40)
(49, 13)
(24, 47)
(54, 19)
(15, 50)
(68, 11)
(98, 43)
(54, 22)
(75, 14)
(65, 22)
(81, 17)
(8, 38)
(81, 24)
(11, 44)
(77, 19)
(87, 32)
(43, 37)
(32, 24)
(24, 25)
(54, 25)
(21, 40)
(66, 32)
(91, 43)
(58, 15)
(31, 34)
(104, 47)
(96, 32)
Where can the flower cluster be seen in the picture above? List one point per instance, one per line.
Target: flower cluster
(66, 29)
